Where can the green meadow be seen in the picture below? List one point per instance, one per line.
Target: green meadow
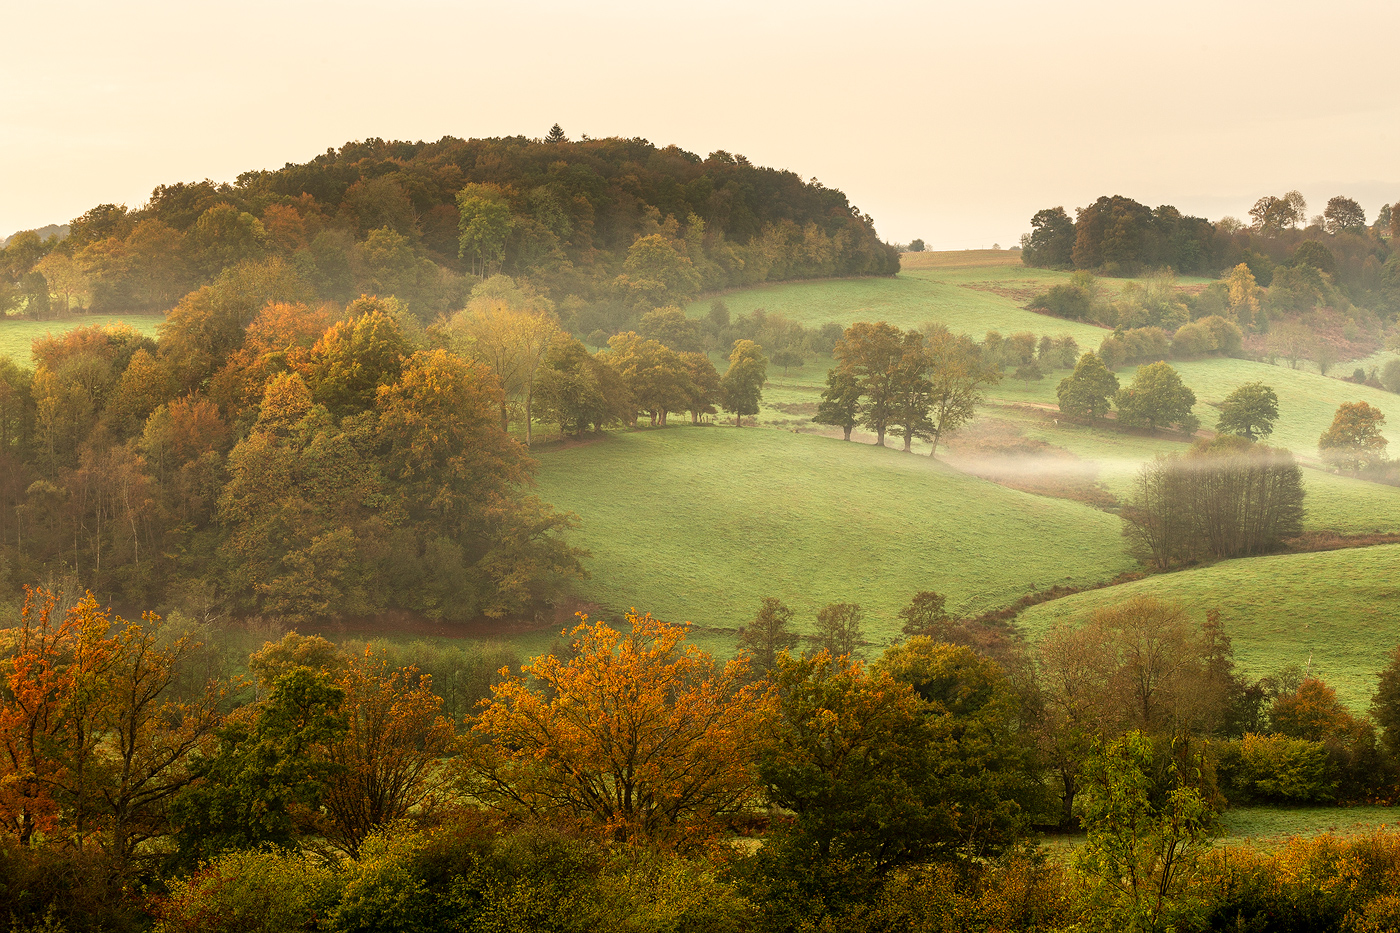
(701, 523)
(1334, 613)
(985, 291)
(17, 337)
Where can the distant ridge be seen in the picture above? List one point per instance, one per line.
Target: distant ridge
(58, 230)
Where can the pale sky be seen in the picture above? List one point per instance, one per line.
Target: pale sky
(950, 121)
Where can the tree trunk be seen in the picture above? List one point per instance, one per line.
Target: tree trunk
(847, 429)
(908, 442)
(880, 437)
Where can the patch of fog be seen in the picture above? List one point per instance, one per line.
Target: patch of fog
(1044, 467)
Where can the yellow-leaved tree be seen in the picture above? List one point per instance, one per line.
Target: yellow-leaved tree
(636, 733)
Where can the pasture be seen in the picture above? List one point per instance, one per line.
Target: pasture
(1334, 613)
(983, 293)
(17, 336)
(701, 523)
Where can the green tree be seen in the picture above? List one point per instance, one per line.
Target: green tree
(484, 226)
(1354, 441)
(1385, 705)
(1088, 391)
(670, 327)
(1155, 397)
(556, 135)
(1142, 851)
(768, 635)
(956, 374)
(741, 389)
(1050, 244)
(264, 770)
(840, 404)
(872, 354)
(656, 274)
(657, 378)
(1249, 411)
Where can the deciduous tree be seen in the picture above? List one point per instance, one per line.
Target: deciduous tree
(1156, 397)
(636, 733)
(1354, 441)
(1249, 411)
(387, 761)
(768, 635)
(741, 389)
(1088, 391)
(840, 404)
(838, 629)
(956, 375)
(871, 353)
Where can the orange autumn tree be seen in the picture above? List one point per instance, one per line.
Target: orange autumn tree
(636, 732)
(51, 661)
(385, 763)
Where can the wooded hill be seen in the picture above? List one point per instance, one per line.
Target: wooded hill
(608, 228)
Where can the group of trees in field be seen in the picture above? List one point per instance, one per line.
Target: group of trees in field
(1155, 398)
(1322, 289)
(1336, 249)
(917, 384)
(609, 228)
(333, 791)
(1226, 498)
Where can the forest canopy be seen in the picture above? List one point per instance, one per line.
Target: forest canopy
(610, 228)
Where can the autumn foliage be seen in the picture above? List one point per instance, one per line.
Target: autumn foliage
(636, 733)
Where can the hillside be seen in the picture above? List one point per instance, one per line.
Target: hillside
(1336, 614)
(609, 228)
(701, 523)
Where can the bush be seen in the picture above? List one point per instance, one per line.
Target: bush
(1276, 769)
(253, 891)
(1325, 883)
(1390, 375)
(1015, 893)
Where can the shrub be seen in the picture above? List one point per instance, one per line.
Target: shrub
(253, 891)
(1277, 769)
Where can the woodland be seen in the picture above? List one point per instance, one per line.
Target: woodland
(338, 421)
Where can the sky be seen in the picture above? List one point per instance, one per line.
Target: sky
(952, 122)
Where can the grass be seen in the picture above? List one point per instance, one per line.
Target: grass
(970, 299)
(701, 523)
(1275, 825)
(17, 337)
(1270, 827)
(1335, 613)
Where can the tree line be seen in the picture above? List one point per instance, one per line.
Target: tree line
(331, 791)
(1334, 258)
(609, 228)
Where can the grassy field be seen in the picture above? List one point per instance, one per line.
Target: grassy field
(971, 292)
(1275, 825)
(701, 523)
(1336, 613)
(17, 337)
